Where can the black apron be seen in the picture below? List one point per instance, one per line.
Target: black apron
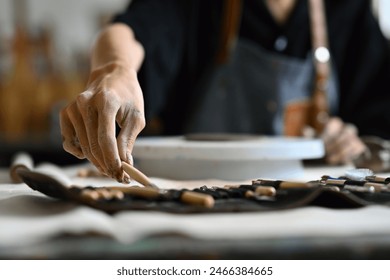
(249, 93)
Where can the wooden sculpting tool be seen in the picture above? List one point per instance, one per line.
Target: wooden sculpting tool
(118, 193)
(238, 191)
(150, 191)
(354, 184)
(194, 198)
(263, 190)
(184, 196)
(147, 193)
(257, 190)
(91, 195)
(138, 175)
(278, 184)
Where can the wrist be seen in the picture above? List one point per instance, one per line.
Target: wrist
(117, 67)
(114, 65)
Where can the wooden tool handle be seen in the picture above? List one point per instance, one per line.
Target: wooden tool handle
(150, 193)
(294, 185)
(278, 184)
(195, 198)
(268, 191)
(137, 175)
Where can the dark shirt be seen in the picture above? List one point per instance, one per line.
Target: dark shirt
(181, 38)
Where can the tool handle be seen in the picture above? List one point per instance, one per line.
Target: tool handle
(195, 198)
(137, 175)
(149, 193)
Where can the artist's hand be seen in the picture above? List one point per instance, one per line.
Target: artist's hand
(342, 143)
(88, 124)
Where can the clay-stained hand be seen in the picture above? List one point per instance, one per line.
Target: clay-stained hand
(342, 143)
(88, 124)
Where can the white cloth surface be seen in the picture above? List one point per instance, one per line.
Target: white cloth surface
(28, 217)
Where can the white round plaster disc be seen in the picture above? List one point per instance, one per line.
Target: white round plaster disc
(253, 157)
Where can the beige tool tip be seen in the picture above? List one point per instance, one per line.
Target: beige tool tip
(268, 191)
(199, 199)
(137, 175)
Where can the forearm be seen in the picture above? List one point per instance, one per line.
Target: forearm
(117, 44)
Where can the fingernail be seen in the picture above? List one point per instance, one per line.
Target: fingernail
(118, 177)
(126, 178)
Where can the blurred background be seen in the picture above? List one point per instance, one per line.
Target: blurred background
(44, 48)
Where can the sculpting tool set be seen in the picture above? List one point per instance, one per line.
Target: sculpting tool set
(357, 186)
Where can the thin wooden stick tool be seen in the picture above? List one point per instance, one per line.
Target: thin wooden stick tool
(138, 175)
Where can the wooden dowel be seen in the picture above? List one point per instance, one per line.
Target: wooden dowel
(258, 190)
(268, 191)
(199, 199)
(187, 197)
(283, 184)
(138, 175)
(90, 195)
(149, 193)
(294, 185)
